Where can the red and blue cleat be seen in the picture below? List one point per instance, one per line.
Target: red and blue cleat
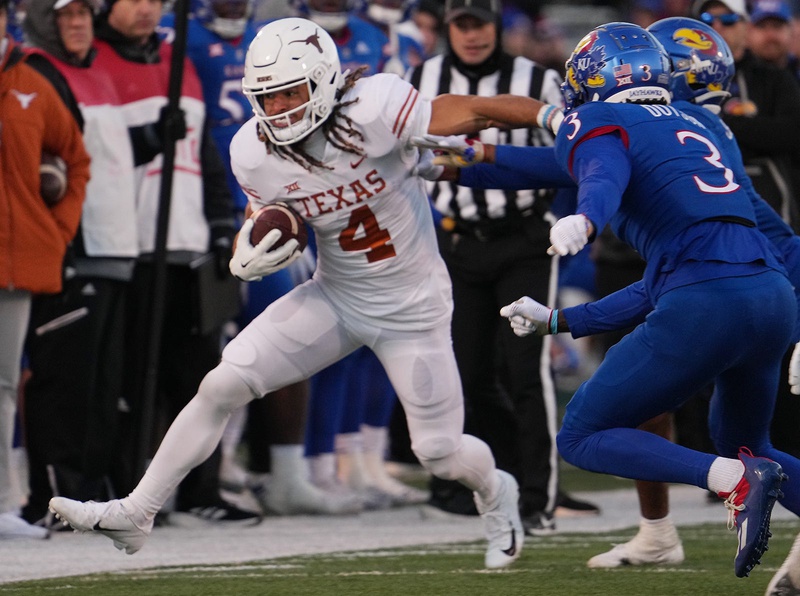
(750, 507)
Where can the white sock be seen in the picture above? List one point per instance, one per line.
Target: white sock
(288, 462)
(375, 439)
(322, 468)
(348, 442)
(724, 474)
(658, 530)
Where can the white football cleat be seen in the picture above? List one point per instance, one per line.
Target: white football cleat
(502, 524)
(127, 528)
(639, 551)
(783, 584)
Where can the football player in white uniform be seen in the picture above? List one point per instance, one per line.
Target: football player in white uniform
(336, 147)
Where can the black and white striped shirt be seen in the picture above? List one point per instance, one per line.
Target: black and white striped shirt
(516, 75)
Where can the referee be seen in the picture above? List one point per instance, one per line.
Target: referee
(494, 244)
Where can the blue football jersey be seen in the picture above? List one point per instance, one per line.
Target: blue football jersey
(362, 45)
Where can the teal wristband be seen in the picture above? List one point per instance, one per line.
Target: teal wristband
(554, 321)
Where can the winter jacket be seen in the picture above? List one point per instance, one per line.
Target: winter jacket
(33, 118)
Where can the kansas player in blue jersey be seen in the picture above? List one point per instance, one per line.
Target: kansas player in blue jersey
(359, 43)
(691, 223)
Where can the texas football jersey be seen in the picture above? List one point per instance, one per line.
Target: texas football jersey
(376, 244)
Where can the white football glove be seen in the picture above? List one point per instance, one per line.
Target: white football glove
(569, 235)
(251, 263)
(528, 316)
(452, 151)
(794, 370)
(426, 168)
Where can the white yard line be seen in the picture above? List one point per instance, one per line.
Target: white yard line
(68, 554)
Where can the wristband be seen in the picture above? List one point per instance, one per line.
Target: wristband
(554, 321)
(549, 117)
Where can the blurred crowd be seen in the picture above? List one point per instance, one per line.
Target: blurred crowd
(134, 310)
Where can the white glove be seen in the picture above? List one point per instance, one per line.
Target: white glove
(528, 316)
(569, 235)
(251, 263)
(794, 370)
(452, 151)
(426, 168)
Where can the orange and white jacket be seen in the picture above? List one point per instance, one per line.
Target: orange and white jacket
(33, 118)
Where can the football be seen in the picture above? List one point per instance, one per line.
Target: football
(282, 217)
(52, 179)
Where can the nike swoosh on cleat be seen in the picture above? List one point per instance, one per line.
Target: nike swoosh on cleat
(98, 528)
(512, 550)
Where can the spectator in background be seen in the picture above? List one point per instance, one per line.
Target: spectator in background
(770, 35)
(428, 16)
(82, 327)
(201, 221)
(34, 235)
(494, 244)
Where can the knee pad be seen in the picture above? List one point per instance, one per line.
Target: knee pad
(434, 454)
(223, 387)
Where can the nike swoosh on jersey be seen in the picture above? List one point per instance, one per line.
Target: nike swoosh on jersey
(358, 163)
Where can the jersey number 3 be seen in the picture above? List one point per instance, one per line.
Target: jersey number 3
(375, 240)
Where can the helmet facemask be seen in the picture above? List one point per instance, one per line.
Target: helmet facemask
(287, 53)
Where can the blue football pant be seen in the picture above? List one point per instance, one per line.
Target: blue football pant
(730, 331)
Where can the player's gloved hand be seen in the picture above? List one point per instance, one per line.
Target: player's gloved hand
(528, 316)
(426, 168)
(452, 151)
(251, 263)
(569, 235)
(794, 370)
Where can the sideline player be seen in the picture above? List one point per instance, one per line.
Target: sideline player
(337, 149)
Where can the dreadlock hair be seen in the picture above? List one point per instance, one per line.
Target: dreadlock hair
(337, 128)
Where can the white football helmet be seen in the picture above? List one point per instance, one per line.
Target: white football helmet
(285, 53)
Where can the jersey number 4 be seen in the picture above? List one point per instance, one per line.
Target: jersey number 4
(375, 240)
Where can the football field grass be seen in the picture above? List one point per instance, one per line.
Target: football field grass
(549, 566)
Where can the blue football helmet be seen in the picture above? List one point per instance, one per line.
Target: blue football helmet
(226, 18)
(617, 63)
(702, 62)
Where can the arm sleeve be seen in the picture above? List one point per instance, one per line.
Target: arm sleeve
(602, 167)
(518, 168)
(624, 308)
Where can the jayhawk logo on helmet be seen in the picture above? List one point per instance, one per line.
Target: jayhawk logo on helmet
(587, 62)
(699, 71)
